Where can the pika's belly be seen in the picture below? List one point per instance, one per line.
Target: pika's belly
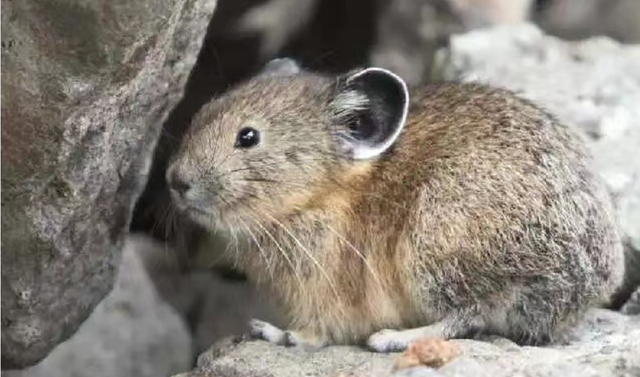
(353, 323)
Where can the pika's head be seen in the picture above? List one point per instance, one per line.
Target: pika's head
(278, 142)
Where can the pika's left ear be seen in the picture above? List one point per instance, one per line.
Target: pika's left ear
(369, 110)
(280, 67)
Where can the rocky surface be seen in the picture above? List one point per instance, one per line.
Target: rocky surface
(86, 87)
(132, 332)
(605, 344)
(155, 320)
(632, 306)
(408, 49)
(579, 19)
(591, 85)
(408, 33)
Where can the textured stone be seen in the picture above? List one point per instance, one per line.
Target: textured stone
(86, 88)
(577, 19)
(409, 32)
(133, 332)
(591, 85)
(605, 344)
(632, 307)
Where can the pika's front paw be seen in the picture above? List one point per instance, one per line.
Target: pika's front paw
(388, 341)
(266, 331)
(270, 333)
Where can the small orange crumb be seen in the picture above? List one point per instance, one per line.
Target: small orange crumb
(428, 352)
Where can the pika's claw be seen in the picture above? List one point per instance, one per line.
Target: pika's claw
(270, 333)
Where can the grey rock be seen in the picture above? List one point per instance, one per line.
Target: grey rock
(632, 307)
(591, 85)
(258, 358)
(141, 323)
(465, 366)
(409, 32)
(482, 13)
(226, 309)
(417, 372)
(276, 22)
(606, 343)
(86, 88)
(132, 332)
(578, 19)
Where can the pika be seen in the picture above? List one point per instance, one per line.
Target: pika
(378, 216)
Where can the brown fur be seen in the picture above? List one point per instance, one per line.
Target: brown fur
(483, 212)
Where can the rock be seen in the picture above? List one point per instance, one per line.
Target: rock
(86, 88)
(632, 307)
(591, 85)
(409, 50)
(140, 328)
(226, 309)
(482, 13)
(577, 19)
(276, 22)
(132, 332)
(409, 32)
(417, 372)
(607, 343)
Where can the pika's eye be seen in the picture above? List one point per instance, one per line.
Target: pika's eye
(247, 138)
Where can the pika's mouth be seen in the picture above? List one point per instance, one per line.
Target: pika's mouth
(207, 210)
(202, 216)
(187, 207)
(196, 210)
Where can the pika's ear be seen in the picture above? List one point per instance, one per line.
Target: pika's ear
(280, 67)
(369, 110)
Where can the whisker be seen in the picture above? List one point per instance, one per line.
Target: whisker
(237, 255)
(297, 241)
(284, 254)
(262, 252)
(260, 180)
(225, 173)
(302, 186)
(219, 164)
(359, 253)
(235, 238)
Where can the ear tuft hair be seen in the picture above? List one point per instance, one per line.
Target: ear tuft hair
(280, 67)
(369, 111)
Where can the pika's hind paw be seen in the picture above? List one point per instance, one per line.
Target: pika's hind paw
(388, 340)
(270, 333)
(398, 340)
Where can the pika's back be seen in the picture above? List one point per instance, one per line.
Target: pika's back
(498, 192)
(475, 122)
(480, 138)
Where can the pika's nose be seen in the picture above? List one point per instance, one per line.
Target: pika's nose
(178, 182)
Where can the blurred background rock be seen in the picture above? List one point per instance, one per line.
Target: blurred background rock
(96, 95)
